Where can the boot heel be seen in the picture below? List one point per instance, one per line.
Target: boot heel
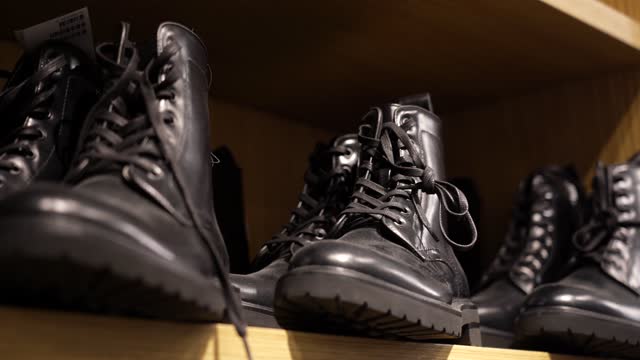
(470, 324)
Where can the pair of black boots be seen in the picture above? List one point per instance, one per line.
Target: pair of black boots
(563, 284)
(126, 223)
(369, 249)
(121, 219)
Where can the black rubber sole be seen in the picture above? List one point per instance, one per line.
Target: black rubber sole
(496, 338)
(342, 301)
(571, 330)
(65, 263)
(257, 315)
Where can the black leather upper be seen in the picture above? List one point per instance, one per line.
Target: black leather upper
(43, 107)
(538, 248)
(140, 175)
(608, 279)
(395, 228)
(588, 288)
(499, 304)
(617, 190)
(328, 183)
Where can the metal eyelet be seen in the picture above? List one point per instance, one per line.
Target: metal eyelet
(156, 173)
(15, 170)
(169, 119)
(41, 134)
(405, 211)
(400, 221)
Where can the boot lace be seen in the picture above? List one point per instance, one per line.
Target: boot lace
(613, 219)
(538, 238)
(122, 130)
(410, 177)
(514, 241)
(312, 217)
(31, 98)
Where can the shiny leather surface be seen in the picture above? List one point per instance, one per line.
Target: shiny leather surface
(550, 201)
(607, 281)
(368, 251)
(588, 288)
(621, 256)
(103, 200)
(499, 304)
(555, 215)
(76, 90)
(149, 208)
(383, 249)
(258, 287)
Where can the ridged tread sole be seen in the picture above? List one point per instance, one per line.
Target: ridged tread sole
(41, 266)
(65, 285)
(349, 303)
(567, 330)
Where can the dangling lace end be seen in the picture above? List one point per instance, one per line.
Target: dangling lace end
(247, 350)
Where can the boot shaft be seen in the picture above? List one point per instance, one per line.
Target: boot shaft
(554, 214)
(549, 208)
(43, 106)
(329, 181)
(186, 112)
(611, 238)
(406, 153)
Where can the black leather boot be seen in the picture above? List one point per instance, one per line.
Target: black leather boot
(392, 271)
(595, 309)
(43, 106)
(329, 182)
(133, 231)
(537, 249)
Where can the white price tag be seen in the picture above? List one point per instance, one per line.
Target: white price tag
(74, 28)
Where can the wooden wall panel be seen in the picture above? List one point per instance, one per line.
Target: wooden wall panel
(579, 122)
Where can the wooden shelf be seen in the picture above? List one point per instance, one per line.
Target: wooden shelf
(328, 61)
(37, 334)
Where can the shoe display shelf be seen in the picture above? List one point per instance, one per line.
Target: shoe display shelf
(519, 84)
(37, 334)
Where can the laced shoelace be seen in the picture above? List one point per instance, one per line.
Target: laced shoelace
(21, 97)
(410, 177)
(310, 220)
(119, 133)
(605, 223)
(530, 260)
(513, 244)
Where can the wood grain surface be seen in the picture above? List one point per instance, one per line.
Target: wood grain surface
(36, 334)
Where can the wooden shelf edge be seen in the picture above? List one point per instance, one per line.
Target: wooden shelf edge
(601, 17)
(40, 334)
